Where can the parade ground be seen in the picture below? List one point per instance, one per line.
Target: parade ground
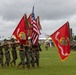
(50, 64)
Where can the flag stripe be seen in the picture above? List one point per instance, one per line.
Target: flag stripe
(35, 32)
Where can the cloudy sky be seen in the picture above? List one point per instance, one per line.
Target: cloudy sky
(53, 14)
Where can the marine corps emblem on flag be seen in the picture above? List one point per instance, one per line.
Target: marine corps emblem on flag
(63, 41)
(22, 36)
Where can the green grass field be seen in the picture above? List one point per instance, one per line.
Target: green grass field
(50, 64)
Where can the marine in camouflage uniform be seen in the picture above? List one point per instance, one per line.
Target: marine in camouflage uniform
(22, 56)
(37, 48)
(27, 55)
(1, 55)
(7, 53)
(32, 55)
(14, 52)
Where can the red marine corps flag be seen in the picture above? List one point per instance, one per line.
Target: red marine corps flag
(21, 30)
(30, 25)
(61, 40)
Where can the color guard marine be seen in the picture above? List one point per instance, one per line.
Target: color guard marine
(32, 55)
(1, 55)
(7, 53)
(27, 55)
(13, 51)
(22, 56)
(37, 48)
(38, 54)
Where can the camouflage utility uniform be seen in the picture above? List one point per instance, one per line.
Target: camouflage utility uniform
(1, 55)
(22, 56)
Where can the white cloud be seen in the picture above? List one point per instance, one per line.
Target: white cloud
(53, 14)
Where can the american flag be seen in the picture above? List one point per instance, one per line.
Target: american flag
(36, 31)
